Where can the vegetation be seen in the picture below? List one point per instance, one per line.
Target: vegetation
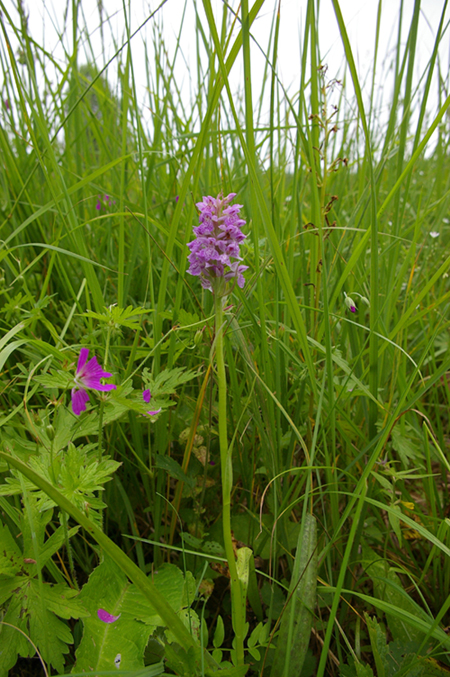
(325, 379)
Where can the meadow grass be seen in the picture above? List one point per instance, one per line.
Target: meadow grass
(336, 350)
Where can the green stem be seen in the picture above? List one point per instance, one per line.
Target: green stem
(102, 403)
(237, 613)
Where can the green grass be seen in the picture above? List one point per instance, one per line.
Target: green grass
(334, 414)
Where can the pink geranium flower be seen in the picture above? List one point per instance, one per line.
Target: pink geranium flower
(87, 377)
(147, 396)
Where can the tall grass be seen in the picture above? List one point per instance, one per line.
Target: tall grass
(334, 414)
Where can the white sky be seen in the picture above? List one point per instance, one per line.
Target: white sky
(47, 20)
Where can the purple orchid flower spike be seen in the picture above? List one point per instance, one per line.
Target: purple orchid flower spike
(87, 377)
(218, 238)
(106, 617)
(147, 396)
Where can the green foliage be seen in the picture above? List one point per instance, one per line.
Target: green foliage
(105, 646)
(76, 472)
(297, 619)
(392, 659)
(167, 381)
(122, 643)
(114, 318)
(334, 414)
(34, 607)
(388, 587)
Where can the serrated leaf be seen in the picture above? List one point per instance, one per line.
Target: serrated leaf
(8, 586)
(363, 670)
(170, 582)
(191, 622)
(78, 476)
(377, 638)
(58, 379)
(186, 319)
(406, 445)
(11, 558)
(65, 602)
(167, 381)
(116, 317)
(29, 612)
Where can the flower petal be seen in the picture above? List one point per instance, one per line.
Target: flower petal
(91, 374)
(147, 395)
(106, 617)
(153, 413)
(79, 399)
(84, 352)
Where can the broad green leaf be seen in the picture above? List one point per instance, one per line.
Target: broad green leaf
(107, 646)
(296, 623)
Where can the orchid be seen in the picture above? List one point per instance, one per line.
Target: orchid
(87, 377)
(147, 396)
(218, 238)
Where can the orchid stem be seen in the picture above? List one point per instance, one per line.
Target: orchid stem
(238, 612)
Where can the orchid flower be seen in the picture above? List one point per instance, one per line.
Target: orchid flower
(218, 238)
(87, 377)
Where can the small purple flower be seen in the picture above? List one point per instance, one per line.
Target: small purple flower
(147, 396)
(218, 238)
(104, 201)
(88, 376)
(106, 617)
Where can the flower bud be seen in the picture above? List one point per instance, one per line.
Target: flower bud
(198, 337)
(350, 304)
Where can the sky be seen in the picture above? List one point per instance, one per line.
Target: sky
(47, 22)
